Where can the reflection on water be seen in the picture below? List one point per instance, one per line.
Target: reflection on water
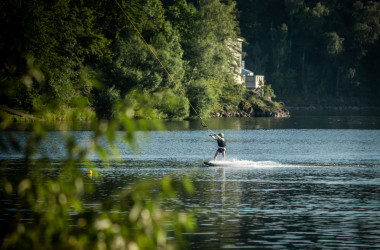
(269, 204)
(361, 119)
(298, 120)
(285, 146)
(314, 187)
(302, 207)
(264, 205)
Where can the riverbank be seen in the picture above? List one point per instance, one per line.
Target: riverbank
(332, 108)
(63, 114)
(250, 104)
(283, 113)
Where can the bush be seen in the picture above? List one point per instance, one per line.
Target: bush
(172, 105)
(49, 204)
(105, 101)
(201, 97)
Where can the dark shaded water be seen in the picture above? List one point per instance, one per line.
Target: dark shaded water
(303, 182)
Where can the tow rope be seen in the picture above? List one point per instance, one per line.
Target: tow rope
(203, 123)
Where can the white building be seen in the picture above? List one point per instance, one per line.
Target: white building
(244, 75)
(237, 49)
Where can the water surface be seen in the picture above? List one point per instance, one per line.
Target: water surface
(302, 182)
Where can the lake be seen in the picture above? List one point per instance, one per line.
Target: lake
(309, 181)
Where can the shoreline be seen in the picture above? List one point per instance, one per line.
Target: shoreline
(285, 113)
(332, 108)
(242, 114)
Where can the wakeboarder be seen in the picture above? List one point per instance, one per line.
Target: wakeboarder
(221, 144)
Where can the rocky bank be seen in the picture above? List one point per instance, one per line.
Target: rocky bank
(284, 113)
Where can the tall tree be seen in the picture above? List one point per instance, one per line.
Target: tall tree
(206, 35)
(59, 36)
(312, 50)
(208, 31)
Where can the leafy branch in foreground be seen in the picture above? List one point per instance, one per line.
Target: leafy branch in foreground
(48, 202)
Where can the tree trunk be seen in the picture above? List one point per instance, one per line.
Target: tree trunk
(273, 48)
(303, 73)
(337, 83)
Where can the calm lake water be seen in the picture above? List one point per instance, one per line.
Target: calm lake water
(310, 181)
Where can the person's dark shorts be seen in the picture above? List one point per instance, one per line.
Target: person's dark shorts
(221, 150)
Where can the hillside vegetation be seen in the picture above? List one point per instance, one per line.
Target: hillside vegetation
(67, 53)
(319, 52)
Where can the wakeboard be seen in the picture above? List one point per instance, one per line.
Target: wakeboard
(217, 163)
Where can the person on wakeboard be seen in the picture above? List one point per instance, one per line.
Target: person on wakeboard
(221, 144)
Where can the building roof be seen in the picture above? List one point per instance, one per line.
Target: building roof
(246, 72)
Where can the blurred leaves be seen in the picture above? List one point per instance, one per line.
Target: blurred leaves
(50, 211)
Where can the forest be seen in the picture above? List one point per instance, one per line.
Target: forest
(61, 53)
(67, 53)
(315, 52)
(83, 59)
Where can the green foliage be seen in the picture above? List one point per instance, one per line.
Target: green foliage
(171, 105)
(20, 87)
(268, 92)
(50, 209)
(231, 95)
(206, 33)
(58, 37)
(105, 102)
(70, 42)
(308, 50)
(141, 104)
(201, 97)
(256, 102)
(65, 114)
(89, 51)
